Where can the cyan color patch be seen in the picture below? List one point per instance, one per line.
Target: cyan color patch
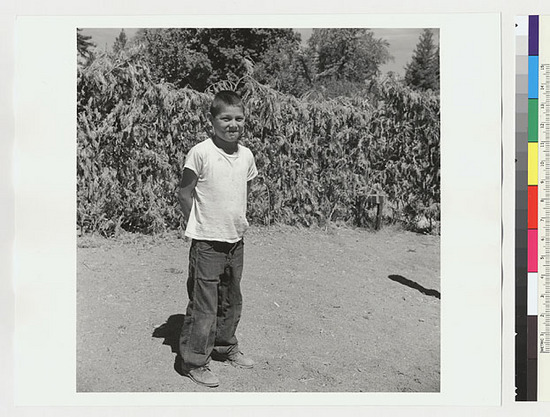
(533, 76)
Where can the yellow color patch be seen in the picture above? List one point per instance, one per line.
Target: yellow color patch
(533, 163)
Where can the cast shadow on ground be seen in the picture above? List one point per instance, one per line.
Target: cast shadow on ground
(415, 286)
(170, 331)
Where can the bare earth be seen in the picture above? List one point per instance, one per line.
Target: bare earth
(343, 310)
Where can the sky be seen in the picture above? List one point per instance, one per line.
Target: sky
(402, 42)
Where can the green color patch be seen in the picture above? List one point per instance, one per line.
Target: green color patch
(533, 123)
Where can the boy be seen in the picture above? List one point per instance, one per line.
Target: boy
(212, 195)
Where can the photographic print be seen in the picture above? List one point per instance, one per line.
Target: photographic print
(336, 264)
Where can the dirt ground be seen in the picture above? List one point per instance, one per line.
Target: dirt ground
(338, 310)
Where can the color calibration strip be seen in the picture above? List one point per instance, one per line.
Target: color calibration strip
(522, 202)
(532, 208)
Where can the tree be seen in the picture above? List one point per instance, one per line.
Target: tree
(422, 72)
(339, 62)
(283, 67)
(348, 54)
(200, 57)
(230, 49)
(176, 56)
(120, 41)
(84, 45)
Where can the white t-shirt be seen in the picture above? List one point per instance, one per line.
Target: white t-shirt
(219, 200)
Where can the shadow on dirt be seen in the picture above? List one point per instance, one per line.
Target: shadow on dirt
(170, 331)
(414, 285)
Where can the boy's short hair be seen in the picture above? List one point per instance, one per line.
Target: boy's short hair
(225, 98)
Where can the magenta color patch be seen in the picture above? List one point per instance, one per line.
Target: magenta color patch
(532, 251)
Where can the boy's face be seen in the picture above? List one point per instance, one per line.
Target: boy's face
(228, 123)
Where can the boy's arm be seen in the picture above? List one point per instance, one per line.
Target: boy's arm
(185, 192)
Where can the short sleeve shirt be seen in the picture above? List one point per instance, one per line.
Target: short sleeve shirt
(219, 201)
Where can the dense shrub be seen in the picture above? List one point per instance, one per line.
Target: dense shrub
(133, 135)
(318, 160)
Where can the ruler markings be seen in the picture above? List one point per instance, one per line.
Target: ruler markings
(543, 131)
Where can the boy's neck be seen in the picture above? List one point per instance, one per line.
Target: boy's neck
(227, 147)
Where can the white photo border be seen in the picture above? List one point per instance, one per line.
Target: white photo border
(45, 203)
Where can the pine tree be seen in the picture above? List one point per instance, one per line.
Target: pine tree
(120, 41)
(422, 72)
(84, 44)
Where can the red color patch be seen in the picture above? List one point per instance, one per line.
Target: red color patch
(532, 207)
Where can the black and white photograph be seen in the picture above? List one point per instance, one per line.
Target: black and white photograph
(258, 210)
(287, 213)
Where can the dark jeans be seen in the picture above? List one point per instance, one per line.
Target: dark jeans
(215, 301)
